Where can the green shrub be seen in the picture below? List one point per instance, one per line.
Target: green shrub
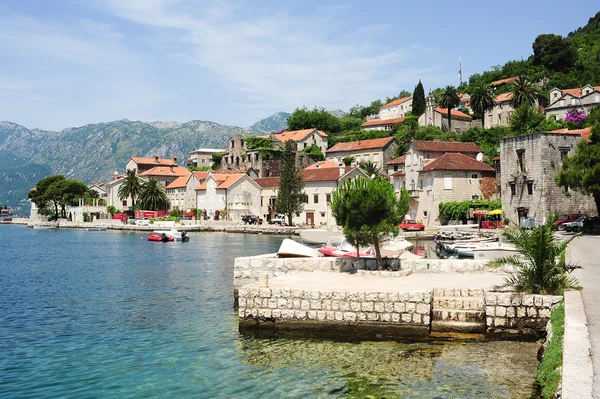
(548, 377)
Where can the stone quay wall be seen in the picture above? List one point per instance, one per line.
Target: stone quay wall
(512, 313)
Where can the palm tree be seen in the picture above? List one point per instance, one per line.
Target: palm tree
(449, 100)
(482, 100)
(153, 196)
(131, 187)
(523, 92)
(544, 270)
(369, 168)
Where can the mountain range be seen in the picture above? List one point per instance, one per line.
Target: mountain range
(94, 152)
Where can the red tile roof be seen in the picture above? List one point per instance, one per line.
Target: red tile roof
(180, 182)
(324, 164)
(507, 80)
(297, 135)
(268, 182)
(457, 161)
(201, 175)
(153, 161)
(397, 102)
(361, 145)
(382, 122)
(327, 174)
(167, 171)
(223, 181)
(577, 92)
(503, 97)
(584, 133)
(454, 113)
(398, 161)
(227, 172)
(398, 173)
(446, 146)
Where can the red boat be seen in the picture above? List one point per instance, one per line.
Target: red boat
(160, 237)
(340, 248)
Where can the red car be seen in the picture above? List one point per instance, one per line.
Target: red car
(570, 217)
(411, 225)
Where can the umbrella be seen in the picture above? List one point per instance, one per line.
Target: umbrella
(496, 212)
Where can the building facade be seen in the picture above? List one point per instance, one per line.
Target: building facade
(234, 194)
(581, 99)
(377, 151)
(390, 114)
(202, 157)
(436, 116)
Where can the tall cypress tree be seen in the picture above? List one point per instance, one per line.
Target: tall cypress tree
(291, 187)
(418, 101)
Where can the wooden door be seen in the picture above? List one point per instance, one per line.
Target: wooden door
(310, 218)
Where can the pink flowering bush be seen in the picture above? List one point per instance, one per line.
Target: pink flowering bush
(575, 119)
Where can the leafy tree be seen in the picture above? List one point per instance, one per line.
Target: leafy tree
(130, 187)
(551, 123)
(449, 99)
(525, 119)
(575, 119)
(418, 102)
(544, 270)
(39, 196)
(314, 152)
(291, 188)
(216, 160)
(487, 139)
(152, 196)
(554, 53)
(318, 118)
(348, 160)
(523, 92)
(482, 100)
(582, 170)
(369, 168)
(369, 210)
(112, 210)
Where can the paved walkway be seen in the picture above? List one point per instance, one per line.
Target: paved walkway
(586, 252)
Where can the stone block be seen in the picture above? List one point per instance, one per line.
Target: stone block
(241, 302)
(393, 296)
(500, 322)
(527, 300)
(538, 301)
(395, 317)
(490, 310)
(264, 302)
(282, 303)
(426, 319)
(306, 294)
(372, 296)
(372, 316)
(476, 293)
(321, 315)
(243, 292)
(335, 305)
(544, 312)
(411, 307)
(361, 316)
(339, 295)
(350, 316)
(344, 306)
(406, 317)
(387, 317)
(547, 301)
(367, 306)
(504, 299)
(265, 293)
(339, 316)
(510, 312)
(389, 307)
(352, 296)
(316, 305)
(489, 321)
(296, 303)
(400, 307)
(305, 304)
(438, 292)
(516, 300)
(491, 299)
(379, 307)
(521, 312)
(241, 313)
(415, 296)
(299, 314)
(417, 318)
(266, 313)
(285, 293)
(315, 295)
(272, 303)
(427, 297)
(422, 308)
(532, 312)
(326, 295)
(298, 294)
(330, 315)
(500, 311)
(312, 314)
(277, 313)
(355, 306)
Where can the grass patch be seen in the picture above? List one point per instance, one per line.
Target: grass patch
(548, 377)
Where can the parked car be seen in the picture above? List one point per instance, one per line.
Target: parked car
(576, 226)
(591, 225)
(411, 225)
(249, 219)
(279, 219)
(569, 217)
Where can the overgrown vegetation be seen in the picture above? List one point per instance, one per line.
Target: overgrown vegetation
(314, 153)
(548, 374)
(462, 210)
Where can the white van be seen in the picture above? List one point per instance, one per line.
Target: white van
(279, 219)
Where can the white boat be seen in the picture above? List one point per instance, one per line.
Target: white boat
(294, 249)
(318, 236)
(42, 227)
(96, 229)
(177, 235)
(399, 244)
(495, 250)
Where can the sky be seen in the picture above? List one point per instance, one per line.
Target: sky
(69, 62)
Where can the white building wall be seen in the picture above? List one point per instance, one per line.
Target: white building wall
(211, 199)
(321, 210)
(243, 198)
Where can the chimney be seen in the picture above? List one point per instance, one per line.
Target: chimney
(156, 159)
(115, 175)
(175, 160)
(342, 169)
(172, 171)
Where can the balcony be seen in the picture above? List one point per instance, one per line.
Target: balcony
(414, 193)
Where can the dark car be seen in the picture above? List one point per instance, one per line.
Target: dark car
(249, 219)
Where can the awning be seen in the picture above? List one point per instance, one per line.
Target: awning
(496, 212)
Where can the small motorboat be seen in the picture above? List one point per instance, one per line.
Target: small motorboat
(318, 236)
(496, 250)
(160, 237)
(176, 235)
(341, 248)
(294, 249)
(43, 227)
(96, 229)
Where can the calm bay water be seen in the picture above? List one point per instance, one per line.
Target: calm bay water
(109, 314)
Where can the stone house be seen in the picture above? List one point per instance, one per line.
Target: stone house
(378, 151)
(389, 115)
(437, 116)
(140, 164)
(237, 194)
(529, 166)
(165, 175)
(500, 114)
(582, 99)
(396, 165)
(202, 157)
(238, 156)
(268, 196)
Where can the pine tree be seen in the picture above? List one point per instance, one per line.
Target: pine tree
(291, 188)
(418, 102)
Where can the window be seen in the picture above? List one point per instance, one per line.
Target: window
(555, 95)
(474, 176)
(475, 197)
(395, 168)
(513, 189)
(530, 188)
(563, 153)
(232, 144)
(305, 199)
(327, 198)
(520, 160)
(597, 98)
(427, 156)
(447, 183)
(573, 101)
(322, 214)
(124, 203)
(203, 160)
(316, 198)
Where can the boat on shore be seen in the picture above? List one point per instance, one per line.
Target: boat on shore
(293, 249)
(339, 247)
(318, 236)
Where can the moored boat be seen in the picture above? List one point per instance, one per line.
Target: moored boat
(160, 237)
(318, 236)
(176, 235)
(339, 247)
(294, 249)
(495, 250)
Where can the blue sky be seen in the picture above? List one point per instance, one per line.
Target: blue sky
(69, 62)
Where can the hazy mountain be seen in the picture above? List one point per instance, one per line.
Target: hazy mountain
(273, 123)
(93, 152)
(337, 112)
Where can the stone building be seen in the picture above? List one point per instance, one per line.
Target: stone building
(500, 114)
(141, 164)
(581, 99)
(268, 196)
(389, 115)
(436, 116)
(237, 194)
(378, 151)
(529, 166)
(202, 157)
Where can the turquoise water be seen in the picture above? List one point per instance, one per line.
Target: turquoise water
(109, 314)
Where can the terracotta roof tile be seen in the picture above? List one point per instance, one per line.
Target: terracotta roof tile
(227, 171)
(577, 92)
(297, 135)
(327, 174)
(397, 102)
(584, 133)
(167, 171)
(507, 80)
(201, 175)
(398, 161)
(446, 146)
(180, 182)
(223, 181)
(268, 182)
(398, 173)
(382, 122)
(153, 161)
(457, 161)
(503, 97)
(454, 113)
(361, 145)
(324, 164)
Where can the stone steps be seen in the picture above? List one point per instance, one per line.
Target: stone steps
(458, 311)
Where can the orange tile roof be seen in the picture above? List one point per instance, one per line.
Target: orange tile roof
(398, 173)
(398, 161)
(504, 97)
(397, 102)
(227, 171)
(153, 161)
(507, 80)
(223, 181)
(381, 122)
(323, 165)
(457, 161)
(453, 112)
(297, 135)
(268, 182)
(180, 182)
(446, 146)
(584, 133)
(201, 175)
(230, 180)
(327, 174)
(577, 92)
(167, 171)
(361, 145)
